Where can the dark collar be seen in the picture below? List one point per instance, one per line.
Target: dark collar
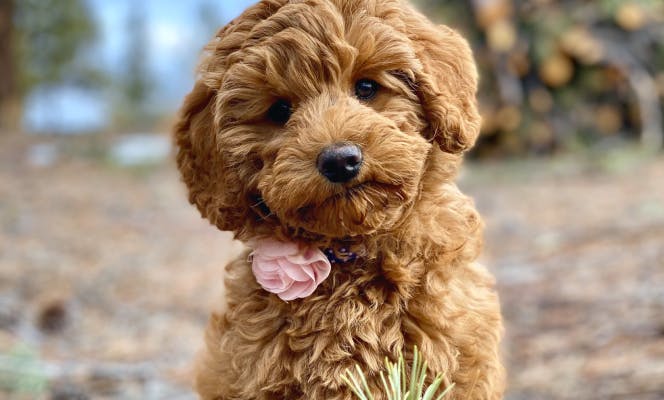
(344, 253)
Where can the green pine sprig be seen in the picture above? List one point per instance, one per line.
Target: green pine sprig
(397, 386)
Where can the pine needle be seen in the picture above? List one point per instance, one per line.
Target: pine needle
(397, 386)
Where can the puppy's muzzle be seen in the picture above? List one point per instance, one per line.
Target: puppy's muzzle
(340, 162)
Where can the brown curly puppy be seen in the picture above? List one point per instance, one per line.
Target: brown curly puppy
(340, 125)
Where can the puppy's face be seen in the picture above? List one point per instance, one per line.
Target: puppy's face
(322, 116)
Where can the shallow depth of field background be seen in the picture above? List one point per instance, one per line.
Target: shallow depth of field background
(107, 274)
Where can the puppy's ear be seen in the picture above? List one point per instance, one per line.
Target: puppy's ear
(198, 158)
(446, 84)
(215, 187)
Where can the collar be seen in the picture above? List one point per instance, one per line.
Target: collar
(344, 253)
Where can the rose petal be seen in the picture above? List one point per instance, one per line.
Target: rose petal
(270, 282)
(266, 265)
(287, 285)
(301, 273)
(297, 290)
(309, 290)
(322, 271)
(274, 285)
(287, 270)
(269, 275)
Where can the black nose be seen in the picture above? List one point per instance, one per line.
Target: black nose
(340, 162)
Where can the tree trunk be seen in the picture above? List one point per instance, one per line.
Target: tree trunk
(8, 88)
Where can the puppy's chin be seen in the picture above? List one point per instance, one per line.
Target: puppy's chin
(357, 210)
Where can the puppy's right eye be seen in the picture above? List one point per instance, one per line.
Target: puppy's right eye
(280, 112)
(366, 89)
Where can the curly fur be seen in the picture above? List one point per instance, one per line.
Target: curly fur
(418, 283)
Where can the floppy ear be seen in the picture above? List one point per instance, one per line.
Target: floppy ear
(214, 187)
(197, 157)
(446, 84)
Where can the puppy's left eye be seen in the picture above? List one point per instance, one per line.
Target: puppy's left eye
(280, 112)
(366, 89)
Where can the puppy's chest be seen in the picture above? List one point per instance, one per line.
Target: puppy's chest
(355, 301)
(355, 317)
(353, 310)
(341, 331)
(356, 313)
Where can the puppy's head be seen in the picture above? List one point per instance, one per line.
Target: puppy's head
(323, 117)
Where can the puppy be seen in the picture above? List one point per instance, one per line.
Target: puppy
(326, 134)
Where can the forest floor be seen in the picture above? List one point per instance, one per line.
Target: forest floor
(108, 275)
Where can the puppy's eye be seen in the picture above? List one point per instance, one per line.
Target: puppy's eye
(366, 89)
(280, 112)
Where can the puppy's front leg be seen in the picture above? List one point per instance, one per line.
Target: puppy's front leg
(458, 325)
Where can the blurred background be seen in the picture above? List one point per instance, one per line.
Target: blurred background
(108, 275)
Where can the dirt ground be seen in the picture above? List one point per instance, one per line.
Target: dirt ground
(107, 274)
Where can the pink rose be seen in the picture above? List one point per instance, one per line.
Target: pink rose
(288, 270)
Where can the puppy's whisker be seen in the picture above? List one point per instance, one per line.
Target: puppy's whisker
(260, 203)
